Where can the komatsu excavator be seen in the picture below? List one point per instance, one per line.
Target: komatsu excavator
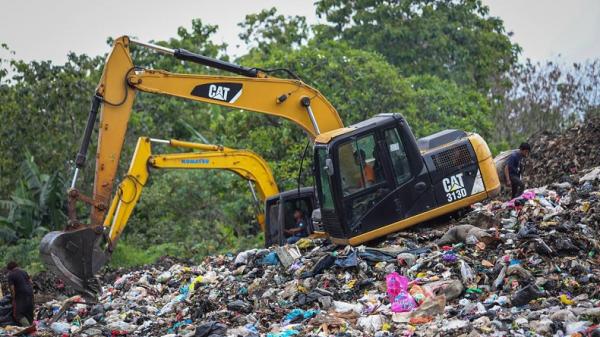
(372, 178)
(244, 163)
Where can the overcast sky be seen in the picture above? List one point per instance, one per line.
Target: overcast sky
(45, 29)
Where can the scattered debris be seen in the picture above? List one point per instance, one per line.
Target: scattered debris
(538, 266)
(524, 267)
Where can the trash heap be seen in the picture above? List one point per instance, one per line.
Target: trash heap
(525, 267)
(554, 156)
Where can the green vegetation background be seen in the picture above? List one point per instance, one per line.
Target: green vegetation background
(441, 64)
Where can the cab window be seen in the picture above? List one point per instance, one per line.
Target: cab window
(359, 165)
(363, 183)
(291, 206)
(324, 186)
(397, 152)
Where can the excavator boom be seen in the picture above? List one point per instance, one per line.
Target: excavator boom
(289, 99)
(244, 163)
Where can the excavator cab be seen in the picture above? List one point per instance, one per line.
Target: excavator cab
(280, 213)
(373, 179)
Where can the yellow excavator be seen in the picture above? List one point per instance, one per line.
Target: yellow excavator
(372, 178)
(244, 163)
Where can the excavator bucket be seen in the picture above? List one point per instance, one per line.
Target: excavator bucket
(75, 257)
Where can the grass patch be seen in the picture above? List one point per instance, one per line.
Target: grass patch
(129, 255)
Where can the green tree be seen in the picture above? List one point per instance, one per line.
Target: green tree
(442, 104)
(35, 206)
(267, 28)
(43, 108)
(456, 40)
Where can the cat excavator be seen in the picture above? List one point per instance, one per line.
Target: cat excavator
(372, 178)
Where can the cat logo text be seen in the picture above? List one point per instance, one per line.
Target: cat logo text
(454, 187)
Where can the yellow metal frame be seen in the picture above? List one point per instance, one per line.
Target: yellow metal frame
(244, 163)
(121, 80)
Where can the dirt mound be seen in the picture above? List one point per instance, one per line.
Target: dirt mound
(554, 156)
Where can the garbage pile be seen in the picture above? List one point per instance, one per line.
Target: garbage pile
(554, 157)
(525, 267)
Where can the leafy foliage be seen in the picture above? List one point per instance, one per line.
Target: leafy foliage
(547, 96)
(441, 104)
(35, 205)
(267, 29)
(25, 251)
(455, 40)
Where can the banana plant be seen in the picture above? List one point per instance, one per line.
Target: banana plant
(35, 206)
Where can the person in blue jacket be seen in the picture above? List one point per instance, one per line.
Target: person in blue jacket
(300, 230)
(514, 169)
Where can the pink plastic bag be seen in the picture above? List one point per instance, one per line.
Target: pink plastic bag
(397, 290)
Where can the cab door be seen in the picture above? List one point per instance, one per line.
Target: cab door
(280, 216)
(273, 227)
(410, 185)
(364, 181)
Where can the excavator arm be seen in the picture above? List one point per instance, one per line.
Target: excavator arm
(244, 163)
(74, 254)
(289, 99)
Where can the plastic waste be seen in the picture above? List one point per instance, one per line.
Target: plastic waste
(349, 261)
(60, 327)
(525, 295)
(240, 306)
(89, 322)
(242, 257)
(449, 257)
(210, 329)
(344, 307)
(286, 333)
(299, 314)
(121, 326)
(371, 323)
(406, 259)
(270, 259)
(417, 293)
(575, 327)
(564, 299)
(164, 277)
(399, 297)
(500, 278)
(466, 273)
